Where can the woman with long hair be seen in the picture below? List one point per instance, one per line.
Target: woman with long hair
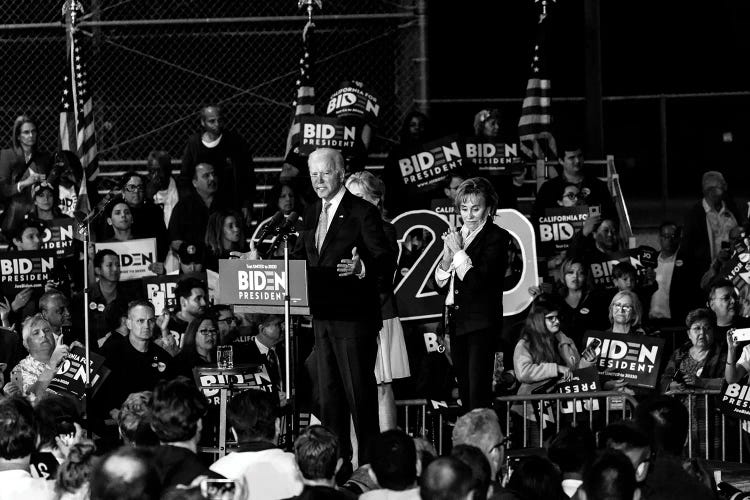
(198, 345)
(392, 361)
(544, 354)
(224, 234)
(21, 166)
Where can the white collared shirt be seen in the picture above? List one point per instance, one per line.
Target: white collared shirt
(261, 347)
(335, 202)
(719, 224)
(460, 265)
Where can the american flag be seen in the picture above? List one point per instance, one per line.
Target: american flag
(305, 102)
(76, 111)
(534, 127)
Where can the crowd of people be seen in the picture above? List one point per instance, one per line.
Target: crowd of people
(149, 417)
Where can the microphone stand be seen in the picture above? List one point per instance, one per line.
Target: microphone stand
(288, 332)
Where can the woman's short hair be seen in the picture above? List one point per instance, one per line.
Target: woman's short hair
(477, 186)
(700, 314)
(119, 200)
(636, 316)
(29, 325)
(370, 184)
(481, 117)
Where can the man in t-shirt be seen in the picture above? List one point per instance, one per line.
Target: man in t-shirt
(135, 361)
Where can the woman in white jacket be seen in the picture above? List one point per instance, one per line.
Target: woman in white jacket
(544, 355)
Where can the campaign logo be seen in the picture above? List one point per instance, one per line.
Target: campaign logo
(261, 285)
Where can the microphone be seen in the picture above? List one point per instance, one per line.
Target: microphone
(271, 226)
(83, 220)
(288, 225)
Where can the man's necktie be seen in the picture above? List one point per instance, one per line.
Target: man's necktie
(320, 232)
(274, 370)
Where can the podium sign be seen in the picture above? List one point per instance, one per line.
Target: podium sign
(259, 285)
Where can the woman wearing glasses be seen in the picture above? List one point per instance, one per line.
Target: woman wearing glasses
(198, 346)
(625, 315)
(545, 355)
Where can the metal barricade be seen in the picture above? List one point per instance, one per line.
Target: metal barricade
(626, 405)
(692, 398)
(413, 415)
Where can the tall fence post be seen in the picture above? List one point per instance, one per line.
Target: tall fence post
(663, 152)
(423, 96)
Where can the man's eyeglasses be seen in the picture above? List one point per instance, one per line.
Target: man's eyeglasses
(133, 188)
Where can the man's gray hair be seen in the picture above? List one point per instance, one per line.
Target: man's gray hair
(480, 427)
(328, 155)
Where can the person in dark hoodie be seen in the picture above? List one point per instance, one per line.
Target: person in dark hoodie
(177, 409)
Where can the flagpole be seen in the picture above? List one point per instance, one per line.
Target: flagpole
(70, 10)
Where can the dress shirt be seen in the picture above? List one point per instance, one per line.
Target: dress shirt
(460, 265)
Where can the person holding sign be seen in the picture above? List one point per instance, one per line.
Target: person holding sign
(470, 275)
(347, 253)
(625, 315)
(34, 373)
(544, 354)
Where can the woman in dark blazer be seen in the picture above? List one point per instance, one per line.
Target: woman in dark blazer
(470, 274)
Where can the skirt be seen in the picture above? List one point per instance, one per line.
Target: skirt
(392, 360)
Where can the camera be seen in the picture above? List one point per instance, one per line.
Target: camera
(218, 489)
(741, 334)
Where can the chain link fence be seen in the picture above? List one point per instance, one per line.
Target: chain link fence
(152, 65)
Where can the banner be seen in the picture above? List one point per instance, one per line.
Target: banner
(26, 269)
(58, 236)
(255, 378)
(352, 100)
(445, 207)
(135, 257)
(70, 378)
(262, 283)
(735, 400)
(493, 158)
(583, 380)
(556, 228)
(321, 132)
(426, 166)
(634, 358)
(160, 289)
(737, 271)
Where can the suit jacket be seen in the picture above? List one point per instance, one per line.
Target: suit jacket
(356, 223)
(478, 298)
(248, 352)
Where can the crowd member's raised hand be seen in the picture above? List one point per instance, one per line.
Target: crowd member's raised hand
(591, 222)
(22, 298)
(5, 309)
(166, 340)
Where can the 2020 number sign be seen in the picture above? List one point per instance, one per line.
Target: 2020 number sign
(416, 298)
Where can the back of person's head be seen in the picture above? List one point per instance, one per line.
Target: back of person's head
(536, 478)
(609, 477)
(133, 419)
(53, 416)
(253, 414)
(393, 459)
(317, 453)
(426, 453)
(623, 432)
(125, 474)
(177, 407)
(447, 478)
(480, 467)
(624, 269)
(572, 449)
(75, 471)
(481, 428)
(665, 419)
(115, 312)
(17, 430)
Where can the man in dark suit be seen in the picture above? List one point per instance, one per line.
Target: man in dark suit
(343, 241)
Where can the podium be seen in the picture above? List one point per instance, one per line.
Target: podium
(216, 382)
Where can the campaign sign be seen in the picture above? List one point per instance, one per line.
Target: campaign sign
(162, 289)
(735, 400)
(492, 158)
(262, 283)
(583, 380)
(135, 257)
(737, 271)
(322, 132)
(429, 165)
(446, 208)
(26, 269)
(557, 227)
(58, 236)
(634, 358)
(211, 383)
(70, 378)
(68, 200)
(352, 100)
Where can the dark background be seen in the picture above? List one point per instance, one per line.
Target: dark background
(481, 50)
